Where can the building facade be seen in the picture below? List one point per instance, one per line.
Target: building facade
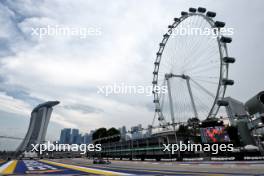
(75, 137)
(40, 117)
(65, 136)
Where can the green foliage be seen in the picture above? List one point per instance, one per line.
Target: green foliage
(102, 135)
(99, 133)
(194, 122)
(112, 131)
(183, 130)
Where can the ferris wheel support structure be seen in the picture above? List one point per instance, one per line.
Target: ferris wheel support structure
(182, 59)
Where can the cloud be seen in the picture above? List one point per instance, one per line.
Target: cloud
(83, 108)
(70, 69)
(13, 105)
(48, 72)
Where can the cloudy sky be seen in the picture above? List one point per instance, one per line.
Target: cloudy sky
(70, 68)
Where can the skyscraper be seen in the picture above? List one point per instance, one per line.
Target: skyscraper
(65, 136)
(38, 125)
(123, 132)
(75, 137)
(87, 138)
(136, 132)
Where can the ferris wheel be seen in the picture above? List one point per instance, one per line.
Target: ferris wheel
(190, 74)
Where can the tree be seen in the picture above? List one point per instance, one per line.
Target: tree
(99, 133)
(193, 122)
(113, 132)
(102, 135)
(183, 130)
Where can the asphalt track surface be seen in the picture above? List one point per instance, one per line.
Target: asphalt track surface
(85, 167)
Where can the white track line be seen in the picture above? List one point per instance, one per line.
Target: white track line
(3, 167)
(85, 169)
